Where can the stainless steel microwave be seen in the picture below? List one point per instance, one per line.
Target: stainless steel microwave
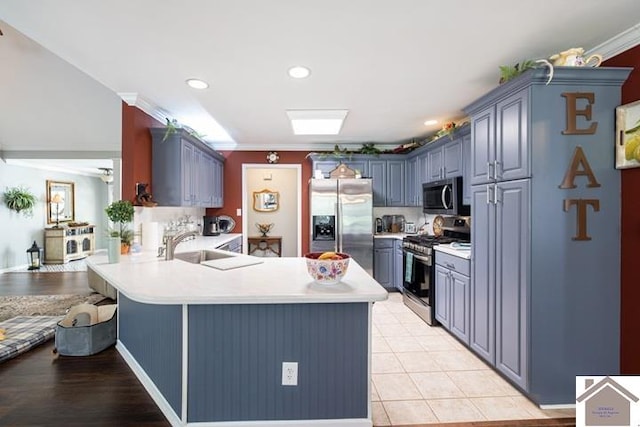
(444, 197)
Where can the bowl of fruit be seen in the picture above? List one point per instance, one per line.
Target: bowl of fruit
(327, 268)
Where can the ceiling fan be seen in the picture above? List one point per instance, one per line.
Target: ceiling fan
(107, 175)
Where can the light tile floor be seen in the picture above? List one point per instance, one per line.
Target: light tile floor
(422, 375)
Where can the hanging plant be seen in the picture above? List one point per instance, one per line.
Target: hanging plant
(20, 199)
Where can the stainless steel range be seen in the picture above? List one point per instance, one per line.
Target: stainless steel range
(419, 270)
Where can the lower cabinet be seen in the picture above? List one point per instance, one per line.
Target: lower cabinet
(398, 277)
(388, 263)
(452, 294)
(383, 262)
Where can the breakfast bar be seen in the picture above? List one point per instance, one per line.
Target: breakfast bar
(209, 345)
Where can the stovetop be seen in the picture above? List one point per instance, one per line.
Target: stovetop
(426, 240)
(423, 244)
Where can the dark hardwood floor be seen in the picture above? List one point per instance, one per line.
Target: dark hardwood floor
(39, 388)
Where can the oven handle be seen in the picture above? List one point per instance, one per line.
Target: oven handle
(420, 258)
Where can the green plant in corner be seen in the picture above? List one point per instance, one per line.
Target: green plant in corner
(508, 72)
(369, 148)
(121, 212)
(20, 199)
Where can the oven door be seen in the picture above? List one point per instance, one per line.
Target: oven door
(417, 277)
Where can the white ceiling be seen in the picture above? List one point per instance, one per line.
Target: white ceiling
(392, 64)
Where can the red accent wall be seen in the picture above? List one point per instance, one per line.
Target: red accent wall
(233, 184)
(136, 149)
(630, 229)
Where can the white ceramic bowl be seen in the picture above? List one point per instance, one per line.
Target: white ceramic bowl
(327, 271)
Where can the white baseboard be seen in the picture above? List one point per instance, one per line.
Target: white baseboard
(148, 384)
(14, 268)
(560, 406)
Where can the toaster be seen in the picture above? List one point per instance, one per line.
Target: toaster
(409, 227)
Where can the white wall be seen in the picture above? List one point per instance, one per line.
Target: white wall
(18, 232)
(285, 219)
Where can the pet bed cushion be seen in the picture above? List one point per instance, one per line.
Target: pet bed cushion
(22, 333)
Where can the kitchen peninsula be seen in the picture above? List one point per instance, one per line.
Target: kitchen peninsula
(209, 344)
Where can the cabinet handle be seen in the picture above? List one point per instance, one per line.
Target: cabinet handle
(489, 198)
(495, 169)
(495, 194)
(450, 266)
(489, 175)
(444, 171)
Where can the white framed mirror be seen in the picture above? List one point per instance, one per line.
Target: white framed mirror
(60, 202)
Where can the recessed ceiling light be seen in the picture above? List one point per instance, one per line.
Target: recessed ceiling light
(430, 122)
(197, 83)
(316, 122)
(299, 72)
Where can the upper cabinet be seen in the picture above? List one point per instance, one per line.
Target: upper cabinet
(397, 178)
(185, 171)
(500, 144)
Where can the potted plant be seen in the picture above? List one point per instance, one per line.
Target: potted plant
(20, 200)
(121, 212)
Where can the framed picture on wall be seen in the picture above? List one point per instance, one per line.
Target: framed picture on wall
(628, 135)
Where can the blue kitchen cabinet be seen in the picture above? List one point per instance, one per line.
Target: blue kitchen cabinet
(412, 195)
(500, 145)
(452, 294)
(395, 188)
(538, 270)
(398, 265)
(442, 295)
(444, 159)
(185, 171)
(501, 216)
(378, 172)
(383, 262)
(466, 168)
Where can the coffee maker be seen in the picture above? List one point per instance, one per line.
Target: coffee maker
(211, 226)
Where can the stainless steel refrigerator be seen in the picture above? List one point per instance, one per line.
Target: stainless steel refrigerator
(342, 218)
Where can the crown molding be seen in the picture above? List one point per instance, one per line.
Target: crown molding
(618, 43)
(133, 99)
(230, 146)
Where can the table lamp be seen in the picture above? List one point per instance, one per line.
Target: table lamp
(57, 199)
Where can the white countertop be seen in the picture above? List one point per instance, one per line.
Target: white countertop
(398, 236)
(461, 253)
(145, 278)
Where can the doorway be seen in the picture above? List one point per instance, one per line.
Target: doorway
(286, 217)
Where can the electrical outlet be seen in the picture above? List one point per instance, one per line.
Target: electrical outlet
(239, 212)
(289, 373)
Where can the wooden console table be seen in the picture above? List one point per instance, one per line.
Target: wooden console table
(66, 243)
(265, 244)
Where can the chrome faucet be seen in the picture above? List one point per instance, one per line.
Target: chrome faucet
(172, 241)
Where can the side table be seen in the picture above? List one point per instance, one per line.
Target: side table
(265, 244)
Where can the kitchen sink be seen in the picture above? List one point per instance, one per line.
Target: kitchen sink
(196, 257)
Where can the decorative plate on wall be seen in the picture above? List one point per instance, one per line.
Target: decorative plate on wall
(438, 222)
(227, 224)
(273, 157)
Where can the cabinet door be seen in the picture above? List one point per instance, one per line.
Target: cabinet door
(378, 170)
(466, 169)
(434, 161)
(188, 165)
(205, 178)
(459, 318)
(423, 171)
(482, 145)
(511, 278)
(383, 266)
(395, 183)
(452, 159)
(398, 264)
(442, 295)
(218, 187)
(410, 182)
(512, 158)
(482, 295)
